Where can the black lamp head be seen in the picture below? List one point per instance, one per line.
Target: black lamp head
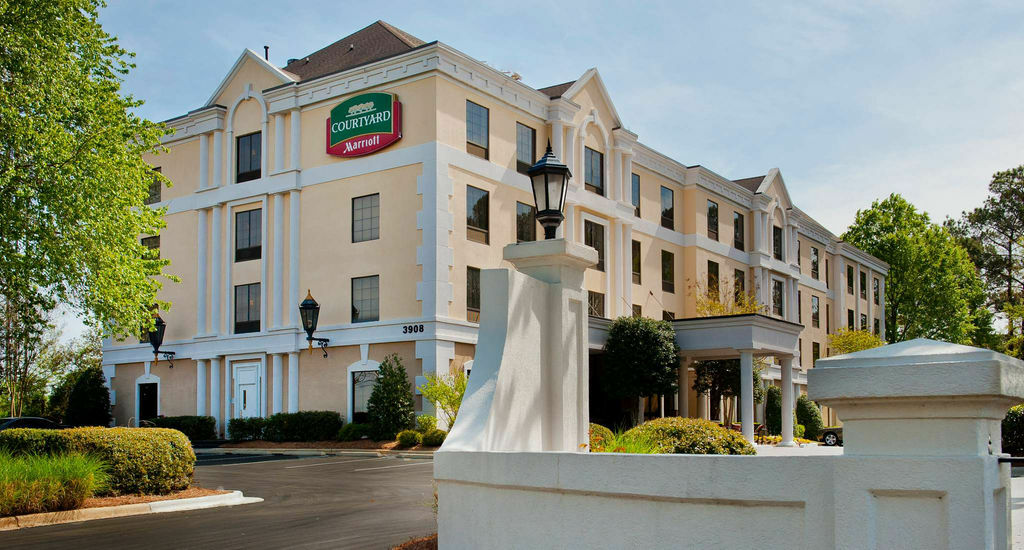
(550, 179)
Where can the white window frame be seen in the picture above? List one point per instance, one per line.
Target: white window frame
(363, 365)
(147, 378)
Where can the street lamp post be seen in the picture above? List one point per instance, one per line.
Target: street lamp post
(156, 338)
(550, 181)
(309, 312)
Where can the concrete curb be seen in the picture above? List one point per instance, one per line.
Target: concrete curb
(233, 498)
(317, 452)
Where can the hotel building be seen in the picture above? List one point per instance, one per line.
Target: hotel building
(382, 173)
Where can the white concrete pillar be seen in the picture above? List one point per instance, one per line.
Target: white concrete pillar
(278, 284)
(627, 267)
(201, 387)
(296, 138)
(683, 394)
(787, 401)
(278, 386)
(703, 406)
(839, 294)
(881, 306)
(216, 264)
(747, 394)
(759, 290)
(226, 261)
(218, 158)
(215, 394)
(293, 259)
(229, 411)
(616, 191)
(201, 272)
(557, 132)
(856, 296)
(229, 157)
(204, 161)
(264, 146)
(278, 142)
(293, 383)
(570, 156)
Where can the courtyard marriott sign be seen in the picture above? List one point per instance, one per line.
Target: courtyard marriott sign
(364, 124)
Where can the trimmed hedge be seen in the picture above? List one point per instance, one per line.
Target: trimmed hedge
(1013, 431)
(303, 426)
(409, 438)
(425, 423)
(246, 429)
(600, 437)
(353, 432)
(434, 438)
(799, 430)
(196, 428)
(692, 436)
(30, 484)
(807, 413)
(140, 460)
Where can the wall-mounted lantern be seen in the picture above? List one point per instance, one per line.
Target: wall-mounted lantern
(550, 181)
(309, 311)
(156, 338)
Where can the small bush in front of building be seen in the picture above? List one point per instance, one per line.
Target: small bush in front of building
(391, 406)
(600, 437)
(425, 423)
(1013, 431)
(353, 432)
(89, 400)
(807, 413)
(409, 438)
(773, 411)
(34, 483)
(434, 438)
(303, 426)
(799, 430)
(691, 436)
(196, 428)
(247, 429)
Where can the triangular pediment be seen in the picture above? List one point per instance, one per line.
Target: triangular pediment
(250, 68)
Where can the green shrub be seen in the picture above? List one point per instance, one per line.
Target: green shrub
(807, 413)
(89, 400)
(33, 483)
(626, 442)
(434, 438)
(600, 437)
(196, 428)
(425, 423)
(139, 460)
(773, 410)
(353, 432)
(691, 436)
(302, 426)
(391, 407)
(799, 430)
(247, 429)
(1013, 431)
(408, 438)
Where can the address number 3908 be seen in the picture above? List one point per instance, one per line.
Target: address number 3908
(410, 329)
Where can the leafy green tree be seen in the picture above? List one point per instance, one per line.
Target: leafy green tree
(640, 358)
(391, 407)
(807, 413)
(24, 332)
(845, 340)
(69, 360)
(773, 410)
(89, 400)
(73, 181)
(933, 287)
(445, 391)
(721, 378)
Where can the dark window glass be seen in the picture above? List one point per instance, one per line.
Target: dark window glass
(153, 243)
(814, 262)
(863, 321)
(777, 305)
(247, 308)
(667, 316)
(526, 222)
(828, 282)
(777, 241)
(477, 218)
(828, 318)
(148, 397)
(815, 312)
(526, 147)
(636, 195)
(362, 388)
(877, 328)
(713, 220)
(593, 235)
(815, 352)
(668, 271)
(248, 235)
(247, 163)
(477, 130)
(849, 319)
(863, 285)
(473, 294)
(636, 262)
(739, 232)
(365, 299)
(595, 304)
(739, 284)
(799, 306)
(366, 218)
(155, 189)
(637, 311)
(713, 280)
(875, 289)
(667, 208)
(849, 279)
(593, 174)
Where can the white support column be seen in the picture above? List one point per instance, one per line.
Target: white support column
(703, 406)
(786, 363)
(871, 300)
(218, 158)
(856, 296)
(215, 393)
(216, 264)
(683, 394)
(264, 143)
(881, 306)
(570, 155)
(204, 161)
(293, 383)
(627, 266)
(840, 293)
(756, 221)
(296, 138)
(747, 394)
(759, 290)
(278, 388)
(201, 387)
(278, 284)
(228, 407)
(278, 142)
(616, 193)
(225, 265)
(293, 259)
(229, 157)
(201, 272)
(557, 133)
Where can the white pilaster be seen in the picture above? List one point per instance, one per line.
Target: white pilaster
(216, 265)
(856, 296)
(293, 258)
(881, 306)
(201, 272)
(747, 394)
(293, 383)
(278, 386)
(215, 393)
(264, 144)
(278, 284)
(557, 132)
(296, 138)
(786, 364)
(435, 255)
(204, 161)
(226, 261)
(435, 357)
(759, 290)
(756, 221)
(201, 387)
(627, 267)
(683, 394)
(570, 155)
(278, 142)
(218, 158)
(229, 156)
(228, 408)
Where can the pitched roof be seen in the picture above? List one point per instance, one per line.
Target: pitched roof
(557, 90)
(377, 41)
(751, 184)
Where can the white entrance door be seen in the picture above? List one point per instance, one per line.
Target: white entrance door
(247, 391)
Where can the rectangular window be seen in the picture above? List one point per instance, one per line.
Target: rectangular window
(477, 130)
(637, 311)
(863, 286)
(247, 161)
(777, 242)
(713, 281)
(365, 299)
(863, 321)
(473, 294)
(636, 195)
(477, 215)
(668, 271)
(152, 243)
(593, 236)
(595, 304)
(362, 388)
(248, 235)
(849, 279)
(155, 189)
(878, 328)
(777, 305)
(526, 222)
(667, 208)
(668, 316)
(815, 312)
(849, 319)
(739, 231)
(876, 287)
(828, 318)
(636, 262)
(815, 352)
(799, 306)
(739, 284)
(814, 262)
(247, 308)
(713, 220)
(828, 282)
(366, 218)
(526, 147)
(593, 173)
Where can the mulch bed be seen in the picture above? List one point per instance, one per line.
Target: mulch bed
(422, 543)
(191, 492)
(362, 444)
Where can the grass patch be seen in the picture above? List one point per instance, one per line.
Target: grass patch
(626, 442)
(32, 483)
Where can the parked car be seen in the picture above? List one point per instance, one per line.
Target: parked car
(832, 436)
(28, 422)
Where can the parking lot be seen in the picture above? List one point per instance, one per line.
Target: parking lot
(321, 502)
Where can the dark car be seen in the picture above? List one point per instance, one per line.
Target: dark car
(832, 436)
(28, 422)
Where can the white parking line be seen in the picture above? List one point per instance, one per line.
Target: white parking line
(417, 463)
(337, 462)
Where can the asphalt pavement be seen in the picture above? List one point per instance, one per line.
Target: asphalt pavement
(321, 502)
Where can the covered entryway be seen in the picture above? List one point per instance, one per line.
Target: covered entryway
(248, 398)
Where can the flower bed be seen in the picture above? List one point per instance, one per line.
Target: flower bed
(31, 484)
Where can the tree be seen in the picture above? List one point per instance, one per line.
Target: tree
(73, 182)
(773, 410)
(89, 400)
(848, 341)
(640, 359)
(721, 378)
(445, 391)
(932, 288)
(710, 302)
(69, 360)
(808, 414)
(391, 408)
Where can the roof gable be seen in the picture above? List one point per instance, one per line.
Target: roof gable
(592, 75)
(374, 42)
(279, 76)
(773, 181)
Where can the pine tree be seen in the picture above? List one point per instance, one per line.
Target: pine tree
(391, 408)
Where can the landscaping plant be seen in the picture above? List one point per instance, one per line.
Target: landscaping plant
(773, 410)
(445, 391)
(89, 400)
(434, 438)
(302, 426)
(425, 423)
(247, 429)
(391, 407)
(196, 428)
(409, 438)
(808, 415)
(1013, 431)
(631, 442)
(677, 435)
(353, 432)
(33, 483)
(600, 437)
(640, 359)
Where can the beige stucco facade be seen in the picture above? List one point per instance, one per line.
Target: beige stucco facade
(424, 250)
